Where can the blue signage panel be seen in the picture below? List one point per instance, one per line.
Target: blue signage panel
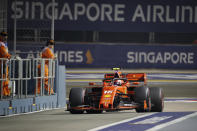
(124, 56)
(112, 16)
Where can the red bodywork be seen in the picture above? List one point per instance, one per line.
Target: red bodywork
(109, 96)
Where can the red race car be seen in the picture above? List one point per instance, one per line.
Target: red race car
(117, 92)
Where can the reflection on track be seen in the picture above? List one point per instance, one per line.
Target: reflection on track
(59, 120)
(181, 100)
(149, 122)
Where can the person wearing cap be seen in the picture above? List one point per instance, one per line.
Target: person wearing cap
(47, 53)
(3, 64)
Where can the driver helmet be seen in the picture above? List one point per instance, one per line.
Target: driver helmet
(118, 82)
(117, 74)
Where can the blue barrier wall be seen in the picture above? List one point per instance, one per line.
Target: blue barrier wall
(31, 104)
(125, 56)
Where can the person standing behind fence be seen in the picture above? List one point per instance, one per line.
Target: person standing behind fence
(47, 53)
(3, 64)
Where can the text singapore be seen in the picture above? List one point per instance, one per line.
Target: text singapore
(161, 57)
(116, 12)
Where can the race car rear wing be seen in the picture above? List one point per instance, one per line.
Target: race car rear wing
(111, 76)
(136, 77)
(108, 76)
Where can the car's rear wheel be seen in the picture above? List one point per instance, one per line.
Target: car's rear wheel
(157, 99)
(76, 98)
(142, 98)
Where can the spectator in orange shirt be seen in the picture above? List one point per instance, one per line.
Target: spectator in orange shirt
(47, 53)
(3, 64)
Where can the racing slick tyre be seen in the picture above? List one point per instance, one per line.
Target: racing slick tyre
(76, 98)
(94, 111)
(157, 99)
(142, 98)
(87, 99)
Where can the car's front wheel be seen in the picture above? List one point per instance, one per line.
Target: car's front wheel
(76, 98)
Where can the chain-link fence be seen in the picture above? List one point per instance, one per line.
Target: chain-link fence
(3, 15)
(30, 26)
(33, 31)
(32, 35)
(33, 24)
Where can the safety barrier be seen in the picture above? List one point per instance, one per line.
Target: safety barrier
(44, 74)
(21, 74)
(3, 74)
(127, 56)
(3, 65)
(24, 76)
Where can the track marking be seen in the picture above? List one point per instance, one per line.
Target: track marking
(100, 80)
(172, 122)
(123, 121)
(185, 100)
(149, 122)
(83, 71)
(182, 101)
(27, 113)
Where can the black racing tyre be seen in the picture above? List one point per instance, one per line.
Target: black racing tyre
(157, 99)
(142, 95)
(94, 111)
(87, 99)
(76, 98)
(72, 111)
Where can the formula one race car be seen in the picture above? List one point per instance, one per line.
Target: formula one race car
(117, 92)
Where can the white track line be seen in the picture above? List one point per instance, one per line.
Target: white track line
(123, 121)
(181, 101)
(26, 113)
(172, 122)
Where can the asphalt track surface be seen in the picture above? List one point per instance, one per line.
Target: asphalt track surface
(175, 83)
(179, 113)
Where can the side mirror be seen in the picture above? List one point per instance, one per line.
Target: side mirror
(92, 84)
(107, 84)
(136, 83)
